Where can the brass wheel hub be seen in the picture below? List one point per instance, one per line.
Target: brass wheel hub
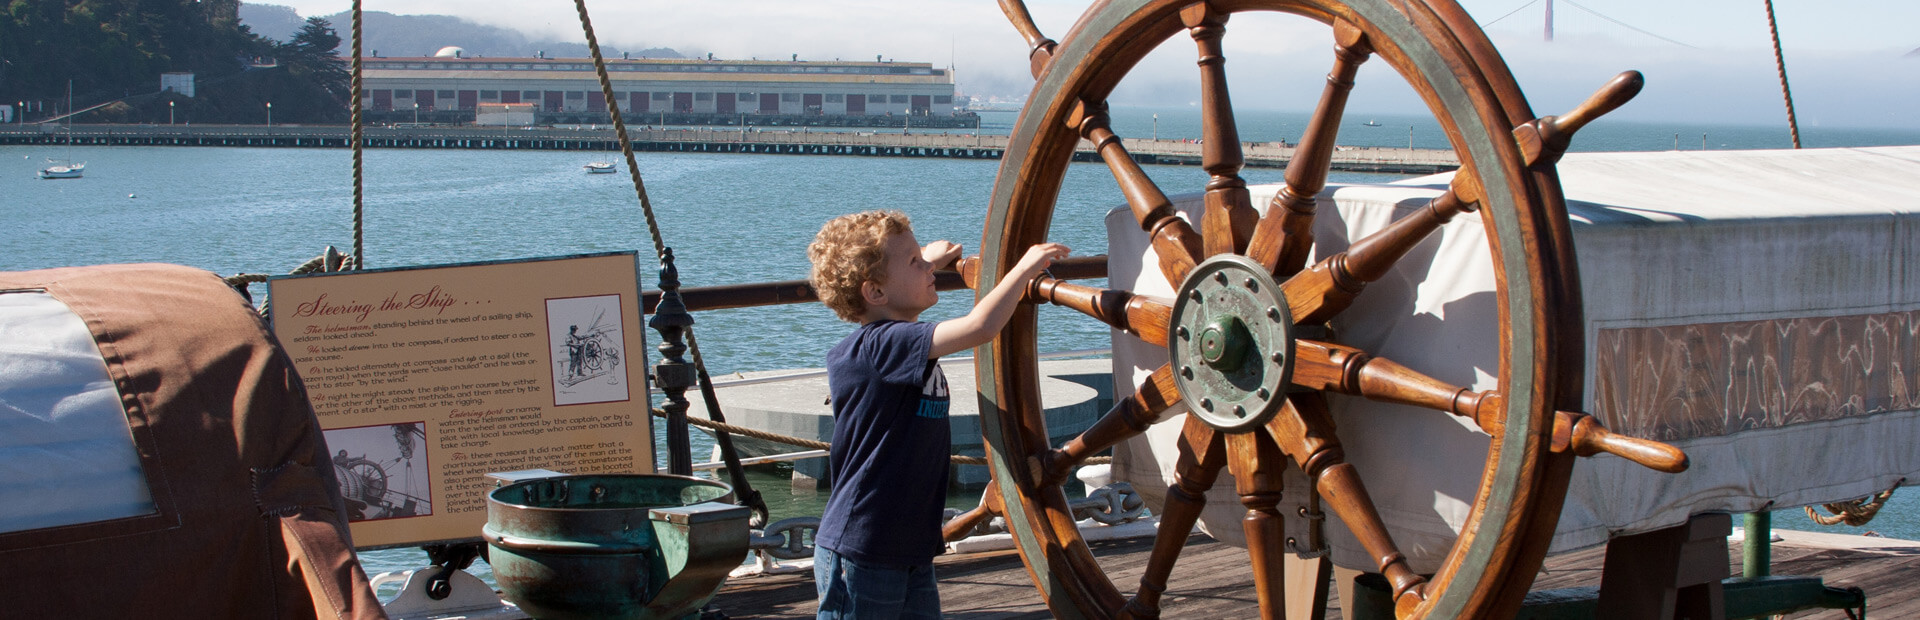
(1232, 345)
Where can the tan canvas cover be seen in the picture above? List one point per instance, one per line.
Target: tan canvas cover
(1758, 309)
(246, 519)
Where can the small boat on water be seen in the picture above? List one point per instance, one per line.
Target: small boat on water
(600, 167)
(1371, 123)
(68, 170)
(65, 169)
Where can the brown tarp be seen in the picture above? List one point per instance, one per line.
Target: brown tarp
(249, 521)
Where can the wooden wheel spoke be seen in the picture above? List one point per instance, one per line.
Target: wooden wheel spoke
(991, 505)
(1139, 315)
(1173, 238)
(1284, 237)
(1202, 454)
(1039, 47)
(1131, 416)
(1230, 219)
(1329, 286)
(1543, 140)
(1347, 370)
(1257, 465)
(1304, 429)
(1583, 435)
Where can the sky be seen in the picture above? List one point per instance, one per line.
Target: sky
(1706, 61)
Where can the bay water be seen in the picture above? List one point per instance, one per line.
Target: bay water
(731, 218)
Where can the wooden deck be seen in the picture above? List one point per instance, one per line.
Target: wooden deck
(1212, 581)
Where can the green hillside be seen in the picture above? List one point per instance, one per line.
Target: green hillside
(113, 52)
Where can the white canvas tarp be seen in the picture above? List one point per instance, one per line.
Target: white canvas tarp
(1755, 308)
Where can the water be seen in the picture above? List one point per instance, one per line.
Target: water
(730, 218)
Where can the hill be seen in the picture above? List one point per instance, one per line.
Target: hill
(392, 35)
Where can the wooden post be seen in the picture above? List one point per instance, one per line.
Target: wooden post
(1668, 574)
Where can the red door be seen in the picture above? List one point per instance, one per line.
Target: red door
(723, 103)
(769, 103)
(553, 102)
(921, 103)
(811, 102)
(596, 101)
(636, 102)
(382, 100)
(423, 98)
(856, 104)
(683, 102)
(469, 99)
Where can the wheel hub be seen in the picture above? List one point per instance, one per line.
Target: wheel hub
(1233, 344)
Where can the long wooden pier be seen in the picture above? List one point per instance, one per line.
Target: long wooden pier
(884, 143)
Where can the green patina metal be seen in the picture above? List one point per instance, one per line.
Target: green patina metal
(613, 546)
(1232, 344)
(1495, 165)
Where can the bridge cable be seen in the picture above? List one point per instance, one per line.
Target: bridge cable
(1523, 7)
(1627, 25)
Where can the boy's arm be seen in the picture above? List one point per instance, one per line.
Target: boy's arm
(991, 314)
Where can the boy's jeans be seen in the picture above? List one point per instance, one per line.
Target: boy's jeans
(849, 590)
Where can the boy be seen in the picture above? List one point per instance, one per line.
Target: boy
(873, 555)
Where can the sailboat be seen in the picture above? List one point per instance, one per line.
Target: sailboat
(65, 169)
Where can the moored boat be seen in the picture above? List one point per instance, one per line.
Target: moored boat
(66, 171)
(600, 167)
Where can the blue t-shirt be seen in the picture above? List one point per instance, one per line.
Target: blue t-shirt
(890, 446)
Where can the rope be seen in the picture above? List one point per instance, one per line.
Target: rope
(1780, 62)
(329, 260)
(359, 205)
(1856, 512)
(620, 129)
(821, 445)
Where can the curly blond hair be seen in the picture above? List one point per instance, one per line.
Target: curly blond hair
(848, 252)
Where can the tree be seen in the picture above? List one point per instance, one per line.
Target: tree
(311, 56)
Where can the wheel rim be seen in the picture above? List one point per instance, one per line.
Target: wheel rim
(1438, 51)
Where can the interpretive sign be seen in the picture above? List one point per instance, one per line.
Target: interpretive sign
(426, 379)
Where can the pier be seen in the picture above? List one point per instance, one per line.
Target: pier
(805, 141)
(1212, 579)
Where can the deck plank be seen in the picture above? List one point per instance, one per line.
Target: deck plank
(1212, 580)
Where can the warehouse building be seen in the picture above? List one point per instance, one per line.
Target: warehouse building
(452, 87)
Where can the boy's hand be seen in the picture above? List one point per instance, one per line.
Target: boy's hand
(1036, 260)
(941, 254)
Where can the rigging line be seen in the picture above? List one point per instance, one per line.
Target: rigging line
(1780, 62)
(1627, 25)
(359, 205)
(1496, 20)
(747, 496)
(620, 129)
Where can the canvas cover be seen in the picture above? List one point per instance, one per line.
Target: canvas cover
(1758, 309)
(241, 517)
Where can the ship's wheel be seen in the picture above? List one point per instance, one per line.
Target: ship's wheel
(1247, 349)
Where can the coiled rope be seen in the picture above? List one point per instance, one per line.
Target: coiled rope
(1857, 512)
